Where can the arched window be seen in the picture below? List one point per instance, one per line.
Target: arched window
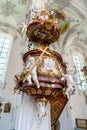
(78, 61)
(5, 47)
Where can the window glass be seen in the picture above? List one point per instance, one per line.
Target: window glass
(80, 75)
(4, 50)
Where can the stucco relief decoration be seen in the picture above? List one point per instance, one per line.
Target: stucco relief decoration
(8, 8)
(40, 109)
(22, 1)
(4, 30)
(85, 3)
(22, 30)
(44, 68)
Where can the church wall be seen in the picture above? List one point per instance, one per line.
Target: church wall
(13, 67)
(66, 118)
(76, 104)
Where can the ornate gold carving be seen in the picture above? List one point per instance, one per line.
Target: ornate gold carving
(55, 93)
(85, 60)
(48, 91)
(57, 105)
(42, 99)
(39, 91)
(44, 33)
(85, 71)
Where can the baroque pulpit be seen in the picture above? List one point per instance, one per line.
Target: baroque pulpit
(42, 72)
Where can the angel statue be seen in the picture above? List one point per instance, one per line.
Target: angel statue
(71, 81)
(33, 74)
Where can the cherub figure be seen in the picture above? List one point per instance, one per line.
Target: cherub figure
(33, 74)
(69, 77)
(41, 109)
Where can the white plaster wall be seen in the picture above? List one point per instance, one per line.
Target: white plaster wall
(66, 119)
(14, 67)
(76, 107)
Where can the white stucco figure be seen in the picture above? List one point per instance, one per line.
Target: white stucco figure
(23, 28)
(41, 109)
(33, 74)
(49, 65)
(69, 77)
(36, 8)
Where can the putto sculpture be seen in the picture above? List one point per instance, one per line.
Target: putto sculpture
(33, 75)
(41, 109)
(70, 80)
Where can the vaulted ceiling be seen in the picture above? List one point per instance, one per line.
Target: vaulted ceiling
(15, 12)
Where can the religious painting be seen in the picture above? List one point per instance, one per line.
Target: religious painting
(81, 123)
(7, 107)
